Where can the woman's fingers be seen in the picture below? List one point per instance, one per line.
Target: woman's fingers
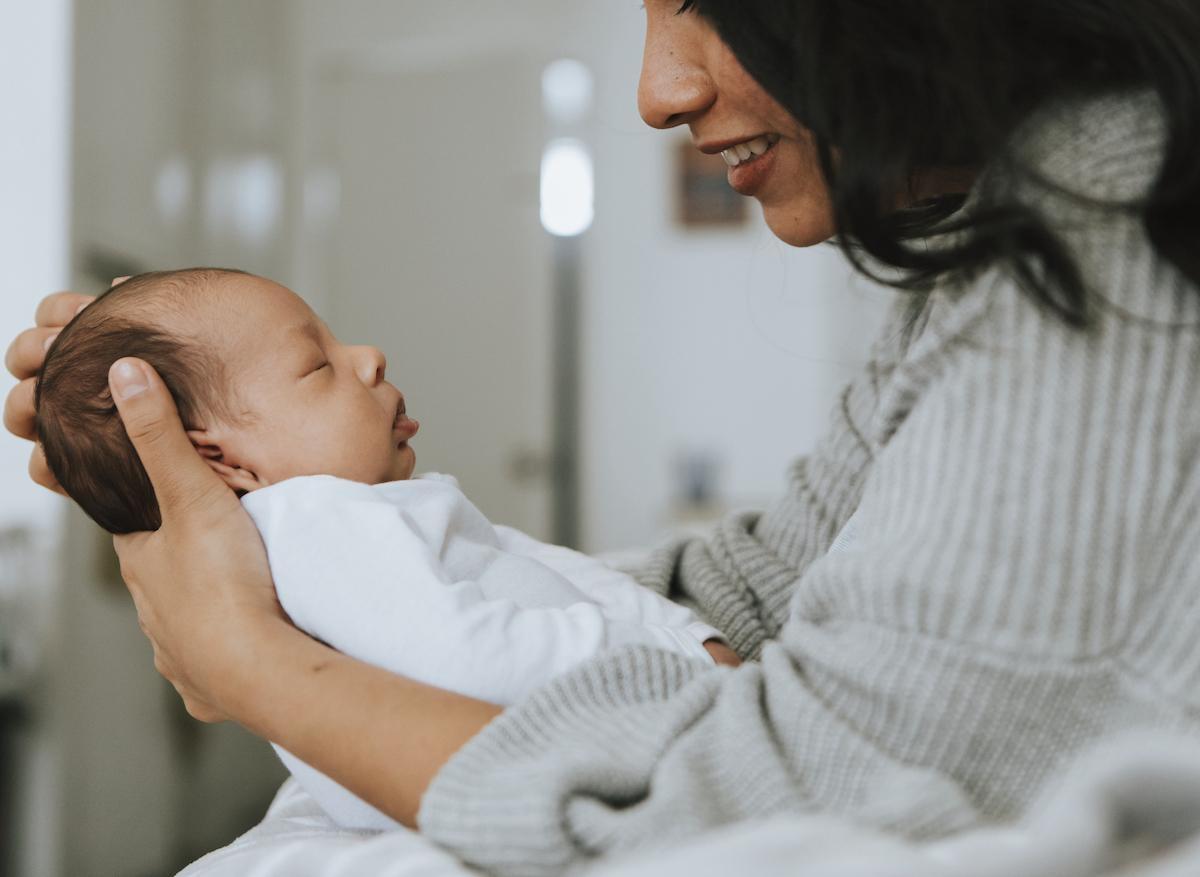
(28, 350)
(40, 472)
(201, 583)
(24, 359)
(59, 308)
(722, 654)
(183, 483)
(19, 413)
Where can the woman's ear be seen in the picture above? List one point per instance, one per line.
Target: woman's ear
(239, 479)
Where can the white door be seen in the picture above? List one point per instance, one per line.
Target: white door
(438, 257)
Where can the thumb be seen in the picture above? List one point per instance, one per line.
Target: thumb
(181, 479)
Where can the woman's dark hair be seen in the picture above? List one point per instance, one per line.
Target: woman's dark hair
(893, 87)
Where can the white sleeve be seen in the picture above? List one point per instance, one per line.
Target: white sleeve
(619, 594)
(351, 570)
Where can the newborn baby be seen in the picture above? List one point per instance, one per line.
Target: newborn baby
(401, 572)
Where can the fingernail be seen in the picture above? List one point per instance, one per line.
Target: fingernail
(46, 344)
(127, 380)
(79, 310)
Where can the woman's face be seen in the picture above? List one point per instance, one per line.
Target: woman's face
(690, 77)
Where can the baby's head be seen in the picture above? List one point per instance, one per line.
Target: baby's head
(263, 387)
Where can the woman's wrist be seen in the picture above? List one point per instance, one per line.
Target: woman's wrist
(253, 682)
(384, 737)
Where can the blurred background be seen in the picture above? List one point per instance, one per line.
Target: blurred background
(600, 340)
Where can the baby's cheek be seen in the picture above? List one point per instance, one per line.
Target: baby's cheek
(340, 453)
(372, 458)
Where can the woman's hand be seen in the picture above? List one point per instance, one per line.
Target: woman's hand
(201, 583)
(24, 360)
(722, 654)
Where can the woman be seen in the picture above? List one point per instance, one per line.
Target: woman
(985, 565)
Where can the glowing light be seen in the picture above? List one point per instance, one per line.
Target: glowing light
(243, 197)
(566, 91)
(568, 189)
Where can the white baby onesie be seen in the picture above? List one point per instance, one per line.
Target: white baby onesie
(410, 576)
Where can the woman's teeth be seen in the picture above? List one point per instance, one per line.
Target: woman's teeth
(741, 152)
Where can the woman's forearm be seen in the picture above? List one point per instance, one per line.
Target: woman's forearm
(382, 736)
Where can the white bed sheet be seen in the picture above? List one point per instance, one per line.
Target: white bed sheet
(1130, 808)
(297, 839)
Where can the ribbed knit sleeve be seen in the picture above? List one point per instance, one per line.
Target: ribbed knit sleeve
(1018, 584)
(741, 576)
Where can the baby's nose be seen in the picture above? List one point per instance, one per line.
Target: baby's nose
(372, 365)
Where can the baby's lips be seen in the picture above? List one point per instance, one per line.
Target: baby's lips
(406, 427)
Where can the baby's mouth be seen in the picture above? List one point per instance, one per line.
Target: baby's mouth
(403, 426)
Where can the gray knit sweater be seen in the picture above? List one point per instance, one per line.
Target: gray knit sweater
(1020, 573)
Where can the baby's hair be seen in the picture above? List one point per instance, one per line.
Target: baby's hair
(84, 439)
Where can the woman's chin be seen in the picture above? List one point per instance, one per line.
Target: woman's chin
(800, 225)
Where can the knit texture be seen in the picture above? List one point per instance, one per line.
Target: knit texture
(1023, 578)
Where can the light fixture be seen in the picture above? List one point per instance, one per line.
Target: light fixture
(567, 188)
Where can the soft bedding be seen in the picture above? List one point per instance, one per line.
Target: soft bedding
(297, 839)
(1128, 809)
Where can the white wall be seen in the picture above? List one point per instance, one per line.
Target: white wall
(35, 73)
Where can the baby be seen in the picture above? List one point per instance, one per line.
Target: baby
(402, 572)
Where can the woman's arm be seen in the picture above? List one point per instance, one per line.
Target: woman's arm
(204, 597)
(382, 736)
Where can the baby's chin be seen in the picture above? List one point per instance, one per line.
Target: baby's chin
(398, 466)
(403, 462)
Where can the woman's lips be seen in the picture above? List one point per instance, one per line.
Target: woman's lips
(749, 176)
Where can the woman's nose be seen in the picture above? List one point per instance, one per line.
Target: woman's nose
(675, 87)
(371, 365)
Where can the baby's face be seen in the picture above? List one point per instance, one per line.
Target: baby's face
(310, 405)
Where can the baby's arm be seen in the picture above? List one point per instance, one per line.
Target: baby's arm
(619, 594)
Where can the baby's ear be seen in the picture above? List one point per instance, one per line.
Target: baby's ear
(240, 480)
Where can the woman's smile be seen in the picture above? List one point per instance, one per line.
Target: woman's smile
(750, 163)
(750, 159)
